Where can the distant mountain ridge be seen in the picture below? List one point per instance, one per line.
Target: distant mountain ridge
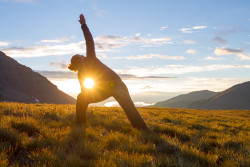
(19, 83)
(236, 97)
(183, 101)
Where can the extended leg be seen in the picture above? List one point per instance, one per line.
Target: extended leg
(123, 98)
(81, 109)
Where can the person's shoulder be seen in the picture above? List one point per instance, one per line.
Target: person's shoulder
(93, 59)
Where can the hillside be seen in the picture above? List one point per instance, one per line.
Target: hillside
(236, 97)
(45, 135)
(19, 83)
(184, 101)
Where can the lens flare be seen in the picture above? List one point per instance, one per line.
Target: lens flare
(89, 83)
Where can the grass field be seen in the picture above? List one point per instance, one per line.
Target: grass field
(45, 135)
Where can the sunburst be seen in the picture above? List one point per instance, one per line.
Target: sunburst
(89, 83)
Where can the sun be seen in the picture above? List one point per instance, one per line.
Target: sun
(89, 83)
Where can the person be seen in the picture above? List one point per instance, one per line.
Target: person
(106, 83)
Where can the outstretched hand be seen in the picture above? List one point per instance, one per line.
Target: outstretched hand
(82, 19)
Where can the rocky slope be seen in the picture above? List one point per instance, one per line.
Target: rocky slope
(20, 84)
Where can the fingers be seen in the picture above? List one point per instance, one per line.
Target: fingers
(82, 19)
(81, 16)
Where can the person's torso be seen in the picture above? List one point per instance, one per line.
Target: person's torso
(103, 76)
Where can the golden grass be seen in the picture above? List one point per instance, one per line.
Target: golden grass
(46, 135)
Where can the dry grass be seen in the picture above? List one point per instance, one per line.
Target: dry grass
(45, 135)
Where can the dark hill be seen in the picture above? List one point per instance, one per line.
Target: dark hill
(236, 97)
(19, 83)
(183, 101)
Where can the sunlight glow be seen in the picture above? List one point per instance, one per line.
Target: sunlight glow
(89, 83)
(69, 86)
(137, 104)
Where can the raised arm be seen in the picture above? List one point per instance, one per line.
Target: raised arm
(90, 45)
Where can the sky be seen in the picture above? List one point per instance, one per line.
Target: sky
(160, 48)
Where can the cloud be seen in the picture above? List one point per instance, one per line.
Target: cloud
(226, 51)
(106, 43)
(137, 34)
(191, 51)
(243, 56)
(58, 74)
(47, 50)
(119, 40)
(189, 42)
(163, 28)
(109, 38)
(61, 65)
(213, 58)
(135, 77)
(219, 40)
(107, 47)
(54, 40)
(157, 41)
(3, 43)
(199, 27)
(186, 30)
(177, 69)
(190, 30)
(150, 56)
(102, 44)
(101, 55)
(213, 84)
(147, 87)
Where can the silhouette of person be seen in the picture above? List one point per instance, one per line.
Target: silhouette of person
(107, 83)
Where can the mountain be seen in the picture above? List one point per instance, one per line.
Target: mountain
(236, 97)
(183, 101)
(19, 83)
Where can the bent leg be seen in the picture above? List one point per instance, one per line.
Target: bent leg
(81, 109)
(122, 96)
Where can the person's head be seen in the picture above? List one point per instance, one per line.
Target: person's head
(76, 60)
